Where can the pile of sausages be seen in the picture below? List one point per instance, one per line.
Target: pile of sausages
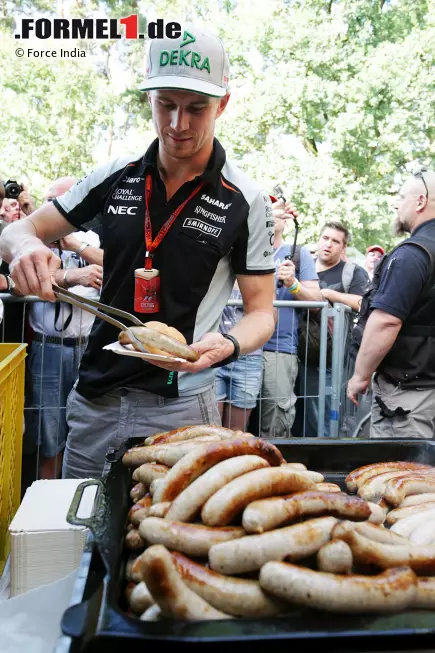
(223, 527)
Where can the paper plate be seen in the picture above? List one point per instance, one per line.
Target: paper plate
(128, 350)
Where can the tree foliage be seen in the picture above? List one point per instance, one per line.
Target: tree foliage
(333, 99)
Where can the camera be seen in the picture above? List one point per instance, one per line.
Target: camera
(12, 189)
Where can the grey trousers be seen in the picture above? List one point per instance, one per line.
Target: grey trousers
(278, 399)
(418, 423)
(108, 421)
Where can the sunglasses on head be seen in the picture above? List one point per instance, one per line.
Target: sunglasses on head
(420, 175)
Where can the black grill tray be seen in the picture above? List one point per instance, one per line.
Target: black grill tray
(98, 622)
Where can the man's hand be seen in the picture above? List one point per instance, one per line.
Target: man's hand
(357, 385)
(286, 273)
(212, 347)
(284, 211)
(33, 271)
(90, 276)
(26, 201)
(70, 243)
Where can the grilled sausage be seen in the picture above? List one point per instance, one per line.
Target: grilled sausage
(401, 513)
(133, 541)
(251, 552)
(147, 472)
(140, 510)
(140, 599)
(371, 531)
(417, 499)
(240, 598)
(314, 476)
(335, 557)
(425, 598)
(195, 431)
(190, 501)
(424, 533)
(166, 454)
(223, 507)
(154, 340)
(154, 485)
(405, 526)
(160, 509)
(328, 487)
(300, 466)
(356, 478)
(175, 599)
(192, 539)
(133, 572)
(266, 514)
(420, 558)
(374, 488)
(153, 613)
(199, 461)
(399, 488)
(391, 591)
(137, 492)
(378, 513)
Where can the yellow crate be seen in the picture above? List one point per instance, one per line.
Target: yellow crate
(11, 437)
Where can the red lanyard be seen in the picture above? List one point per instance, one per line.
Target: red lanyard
(151, 245)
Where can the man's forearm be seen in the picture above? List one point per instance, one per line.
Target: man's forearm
(307, 294)
(93, 255)
(380, 333)
(354, 301)
(253, 330)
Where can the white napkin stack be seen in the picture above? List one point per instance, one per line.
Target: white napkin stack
(44, 546)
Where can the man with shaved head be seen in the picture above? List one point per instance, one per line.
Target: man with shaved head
(60, 336)
(399, 336)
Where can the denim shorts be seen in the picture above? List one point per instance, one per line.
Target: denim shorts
(53, 370)
(240, 382)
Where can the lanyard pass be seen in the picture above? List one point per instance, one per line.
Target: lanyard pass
(146, 290)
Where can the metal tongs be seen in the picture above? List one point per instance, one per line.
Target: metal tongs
(100, 310)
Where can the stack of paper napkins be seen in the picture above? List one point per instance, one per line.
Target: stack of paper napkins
(44, 546)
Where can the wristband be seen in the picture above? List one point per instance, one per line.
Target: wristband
(295, 287)
(232, 357)
(64, 277)
(82, 248)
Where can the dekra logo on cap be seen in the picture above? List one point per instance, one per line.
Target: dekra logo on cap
(180, 56)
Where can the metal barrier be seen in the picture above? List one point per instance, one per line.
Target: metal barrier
(322, 408)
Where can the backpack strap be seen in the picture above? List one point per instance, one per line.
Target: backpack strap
(347, 276)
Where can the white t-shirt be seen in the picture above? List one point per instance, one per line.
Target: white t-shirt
(42, 314)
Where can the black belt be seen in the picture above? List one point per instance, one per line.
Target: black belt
(55, 340)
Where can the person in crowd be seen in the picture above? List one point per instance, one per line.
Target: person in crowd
(339, 281)
(280, 353)
(398, 343)
(373, 254)
(206, 223)
(60, 334)
(237, 384)
(14, 322)
(10, 210)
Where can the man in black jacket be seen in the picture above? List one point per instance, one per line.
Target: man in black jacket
(399, 337)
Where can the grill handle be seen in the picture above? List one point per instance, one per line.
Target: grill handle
(71, 517)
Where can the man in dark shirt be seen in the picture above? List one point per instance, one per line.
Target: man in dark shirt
(339, 281)
(399, 341)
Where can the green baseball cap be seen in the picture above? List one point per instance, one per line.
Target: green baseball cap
(195, 62)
